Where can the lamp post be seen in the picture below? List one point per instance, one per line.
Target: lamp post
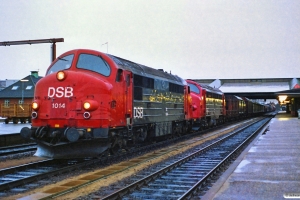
(23, 80)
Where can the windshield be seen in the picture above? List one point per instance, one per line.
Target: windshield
(93, 63)
(61, 64)
(194, 88)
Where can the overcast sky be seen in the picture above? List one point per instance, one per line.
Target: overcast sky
(201, 39)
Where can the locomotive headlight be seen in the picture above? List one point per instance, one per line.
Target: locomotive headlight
(35, 105)
(90, 105)
(86, 105)
(61, 75)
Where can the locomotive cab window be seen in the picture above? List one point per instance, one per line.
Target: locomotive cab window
(61, 64)
(93, 63)
(194, 88)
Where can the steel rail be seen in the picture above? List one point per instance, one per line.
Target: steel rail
(195, 189)
(16, 183)
(23, 174)
(107, 159)
(138, 184)
(58, 192)
(17, 149)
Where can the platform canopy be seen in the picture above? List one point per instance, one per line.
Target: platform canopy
(265, 88)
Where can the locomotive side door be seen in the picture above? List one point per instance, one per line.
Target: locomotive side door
(128, 85)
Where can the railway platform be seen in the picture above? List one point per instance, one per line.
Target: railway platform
(268, 168)
(11, 127)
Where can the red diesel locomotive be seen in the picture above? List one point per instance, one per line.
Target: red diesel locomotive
(90, 102)
(208, 105)
(211, 107)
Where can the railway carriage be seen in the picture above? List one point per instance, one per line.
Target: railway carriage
(16, 112)
(258, 108)
(253, 108)
(269, 107)
(249, 106)
(235, 107)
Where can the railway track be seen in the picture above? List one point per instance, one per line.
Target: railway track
(23, 174)
(19, 177)
(59, 169)
(11, 150)
(106, 174)
(191, 175)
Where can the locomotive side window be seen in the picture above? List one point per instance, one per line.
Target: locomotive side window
(93, 63)
(139, 83)
(138, 93)
(143, 81)
(61, 64)
(176, 88)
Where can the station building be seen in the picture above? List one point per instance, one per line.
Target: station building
(16, 99)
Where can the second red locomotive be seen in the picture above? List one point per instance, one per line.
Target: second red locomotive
(208, 105)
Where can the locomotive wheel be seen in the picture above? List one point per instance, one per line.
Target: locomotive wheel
(114, 150)
(103, 154)
(177, 133)
(116, 146)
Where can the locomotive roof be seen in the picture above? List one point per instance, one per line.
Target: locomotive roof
(143, 70)
(207, 87)
(211, 89)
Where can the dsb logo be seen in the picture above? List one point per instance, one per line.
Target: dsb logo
(138, 112)
(60, 92)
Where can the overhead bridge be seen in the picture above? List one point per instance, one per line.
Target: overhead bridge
(264, 88)
(261, 88)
